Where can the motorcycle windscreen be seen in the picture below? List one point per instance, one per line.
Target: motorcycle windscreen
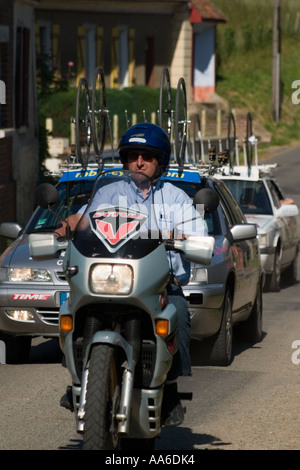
(119, 220)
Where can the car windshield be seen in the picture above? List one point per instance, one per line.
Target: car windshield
(72, 196)
(251, 195)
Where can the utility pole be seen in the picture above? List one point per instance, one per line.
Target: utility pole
(276, 98)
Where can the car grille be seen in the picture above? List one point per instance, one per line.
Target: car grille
(49, 316)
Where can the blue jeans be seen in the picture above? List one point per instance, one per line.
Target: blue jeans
(181, 362)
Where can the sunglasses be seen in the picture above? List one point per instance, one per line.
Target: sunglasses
(146, 156)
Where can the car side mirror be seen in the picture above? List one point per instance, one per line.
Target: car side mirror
(287, 210)
(44, 246)
(196, 249)
(46, 195)
(207, 198)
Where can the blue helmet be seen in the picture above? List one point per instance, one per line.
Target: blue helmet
(146, 136)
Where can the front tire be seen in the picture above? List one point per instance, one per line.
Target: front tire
(102, 399)
(221, 343)
(291, 274)
(251, 329)
(273, 280)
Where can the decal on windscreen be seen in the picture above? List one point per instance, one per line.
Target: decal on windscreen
(116, 226)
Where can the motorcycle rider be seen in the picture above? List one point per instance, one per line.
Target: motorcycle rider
(145, 150)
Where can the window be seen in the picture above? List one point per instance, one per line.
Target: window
(251, 195)
(122, 57)
(89, 51)
(275, 193)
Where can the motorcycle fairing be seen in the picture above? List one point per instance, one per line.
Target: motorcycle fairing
(115, 226)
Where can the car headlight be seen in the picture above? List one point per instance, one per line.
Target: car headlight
(199, 275)
(20, 315)
(263, 239)
(111, 279)
(28, 275)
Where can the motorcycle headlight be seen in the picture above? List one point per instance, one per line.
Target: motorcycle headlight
(28, 275)
(111, 279)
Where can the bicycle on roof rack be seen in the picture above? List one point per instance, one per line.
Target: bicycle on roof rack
(174, 120)
(92, 122)
(91, 119)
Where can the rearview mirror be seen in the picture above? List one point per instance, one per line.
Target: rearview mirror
(287, 210)
(196, 249)
(46, 195)
(43, 246)
(208, 198)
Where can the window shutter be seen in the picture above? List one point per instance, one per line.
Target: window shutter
(114, 73)
(131, 65)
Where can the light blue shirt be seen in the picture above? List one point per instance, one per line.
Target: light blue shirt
(169, 209)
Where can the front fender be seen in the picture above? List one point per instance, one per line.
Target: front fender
(115, 339)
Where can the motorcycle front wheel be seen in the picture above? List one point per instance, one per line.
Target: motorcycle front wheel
(102, 399)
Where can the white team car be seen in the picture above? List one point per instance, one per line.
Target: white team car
(276, 216)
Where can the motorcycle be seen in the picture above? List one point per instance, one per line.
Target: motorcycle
(118, 332)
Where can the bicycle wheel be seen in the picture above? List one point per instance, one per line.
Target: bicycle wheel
(231, 138)
(197, 137)
(249, 145)
(83, 122)
(165, 102)
(180, 122)
(102, 399)
(99, 111)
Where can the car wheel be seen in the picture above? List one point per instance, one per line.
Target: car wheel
(251, 330)
(273, 280)
(291, 273)
(17, 348)
(221, 344)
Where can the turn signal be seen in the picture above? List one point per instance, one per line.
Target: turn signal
(162, 327)
(66, 323)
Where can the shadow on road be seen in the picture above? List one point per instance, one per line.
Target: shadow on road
(182, 438)
(45, 351)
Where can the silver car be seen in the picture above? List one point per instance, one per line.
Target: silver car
(31, 292)
(228, 292)
(276, 217)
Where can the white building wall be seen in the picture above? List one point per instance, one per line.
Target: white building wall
(182, 58)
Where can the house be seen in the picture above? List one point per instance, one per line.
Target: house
(204, 18)
(132, 40)
(19, 158)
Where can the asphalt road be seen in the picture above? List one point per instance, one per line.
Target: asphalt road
(252, 404)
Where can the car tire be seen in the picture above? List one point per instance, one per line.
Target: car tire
(291, 273)
(220, 345)
(273, 280)
(17, 348)
(250, 331)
